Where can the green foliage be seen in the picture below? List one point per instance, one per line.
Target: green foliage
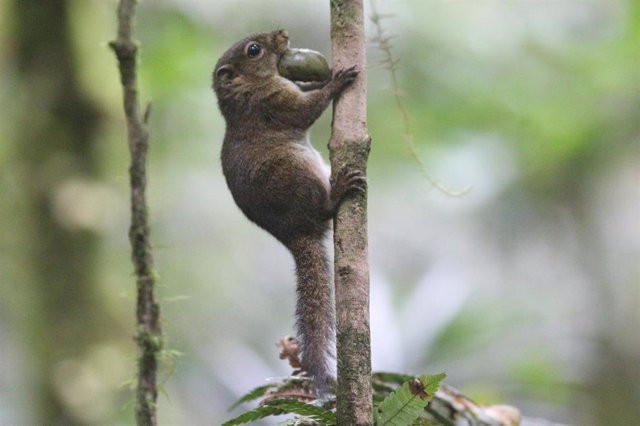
(541, 377)
(174, 61)
(559, 97)
(286, 406)
(407, 403)
(251, 395)
(255, 414)
(470, 329)
(393, 405)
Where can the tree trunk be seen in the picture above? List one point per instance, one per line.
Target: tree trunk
(55, 137)
(349, 146)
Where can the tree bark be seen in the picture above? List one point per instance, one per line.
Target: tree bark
(149, 335)
(54, 138)
(349, 147)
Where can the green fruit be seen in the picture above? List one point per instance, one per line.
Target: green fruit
(304, 65)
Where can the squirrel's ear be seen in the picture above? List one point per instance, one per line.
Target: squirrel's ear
(224, 74)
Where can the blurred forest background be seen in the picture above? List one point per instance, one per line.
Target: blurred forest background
(526, 290)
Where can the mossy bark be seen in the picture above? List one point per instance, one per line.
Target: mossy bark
(55, 136)
(349, 147)
(149, 335)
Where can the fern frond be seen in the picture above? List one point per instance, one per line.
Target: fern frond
(286, 406)
(253, 394)
(403, 406)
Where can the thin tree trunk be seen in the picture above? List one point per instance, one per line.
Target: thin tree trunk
(149, 335)
(54, 139)
(349, 146)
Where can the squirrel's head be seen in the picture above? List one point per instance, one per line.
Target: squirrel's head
(250, 60)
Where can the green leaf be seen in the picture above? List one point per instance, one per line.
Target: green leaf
(252, 394)
(286, 406)
(319, 414)
(255, 414)
(431, 383)
(407, 403)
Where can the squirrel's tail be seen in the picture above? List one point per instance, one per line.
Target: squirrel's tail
(315, 316)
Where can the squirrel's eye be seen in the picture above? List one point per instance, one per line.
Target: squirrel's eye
(253, 50)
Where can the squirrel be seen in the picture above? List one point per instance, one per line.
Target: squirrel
(280, 182)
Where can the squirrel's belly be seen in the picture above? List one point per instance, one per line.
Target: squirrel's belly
(316, 163)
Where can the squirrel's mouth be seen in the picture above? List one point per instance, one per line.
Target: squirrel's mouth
(299, 64)
(303, 65)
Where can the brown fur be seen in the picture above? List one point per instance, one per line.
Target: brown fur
(278, 179)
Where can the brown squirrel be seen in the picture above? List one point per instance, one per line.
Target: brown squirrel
(280, 181)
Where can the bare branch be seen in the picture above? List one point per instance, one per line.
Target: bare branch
(149, 334)
(383, 42)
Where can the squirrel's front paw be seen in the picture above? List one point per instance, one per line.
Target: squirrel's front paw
(345, 76)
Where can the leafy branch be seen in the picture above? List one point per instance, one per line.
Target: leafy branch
(398, 407)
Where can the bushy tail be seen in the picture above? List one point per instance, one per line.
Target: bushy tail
(315, 316)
